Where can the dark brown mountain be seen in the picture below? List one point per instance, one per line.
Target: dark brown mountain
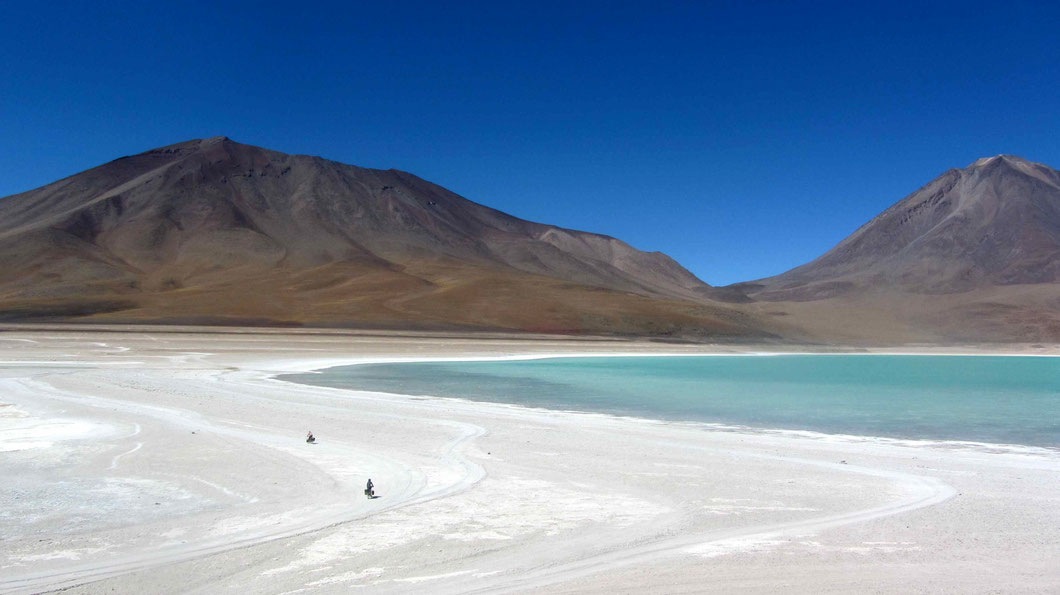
(217, 231)
(974, 255)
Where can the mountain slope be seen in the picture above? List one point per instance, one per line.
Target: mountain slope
(214, 230)
(996, 222)
(974, 255)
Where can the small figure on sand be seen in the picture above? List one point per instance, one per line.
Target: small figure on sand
(369, 490)
(310, 438)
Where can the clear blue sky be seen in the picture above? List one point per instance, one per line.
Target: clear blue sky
(741, 138)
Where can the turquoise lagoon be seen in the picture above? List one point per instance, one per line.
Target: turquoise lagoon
(1007, 400)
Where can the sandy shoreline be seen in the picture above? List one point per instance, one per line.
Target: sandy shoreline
(174, 462)
(319, 366)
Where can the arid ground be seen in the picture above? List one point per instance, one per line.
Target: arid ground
(163, 460)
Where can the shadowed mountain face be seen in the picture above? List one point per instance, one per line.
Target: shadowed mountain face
(213, 230)
(974, 255)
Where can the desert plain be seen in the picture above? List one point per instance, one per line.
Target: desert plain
(172, 460)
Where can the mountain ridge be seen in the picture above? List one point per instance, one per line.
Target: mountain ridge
(974, 255)
(995, 221)
(153, 228)
(219, 232)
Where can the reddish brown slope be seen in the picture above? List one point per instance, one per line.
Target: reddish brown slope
(972, 256)
(213, 230)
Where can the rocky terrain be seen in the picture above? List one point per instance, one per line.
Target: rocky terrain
(217, 232)
(213, 231)
(972, 256)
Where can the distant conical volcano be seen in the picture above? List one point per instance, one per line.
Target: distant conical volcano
(974, 254)
(217, 231)
(996, 222)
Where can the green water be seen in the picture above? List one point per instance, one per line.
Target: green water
(1010, 400)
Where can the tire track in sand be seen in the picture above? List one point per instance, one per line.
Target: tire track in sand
(412, 492)
(923, 491)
